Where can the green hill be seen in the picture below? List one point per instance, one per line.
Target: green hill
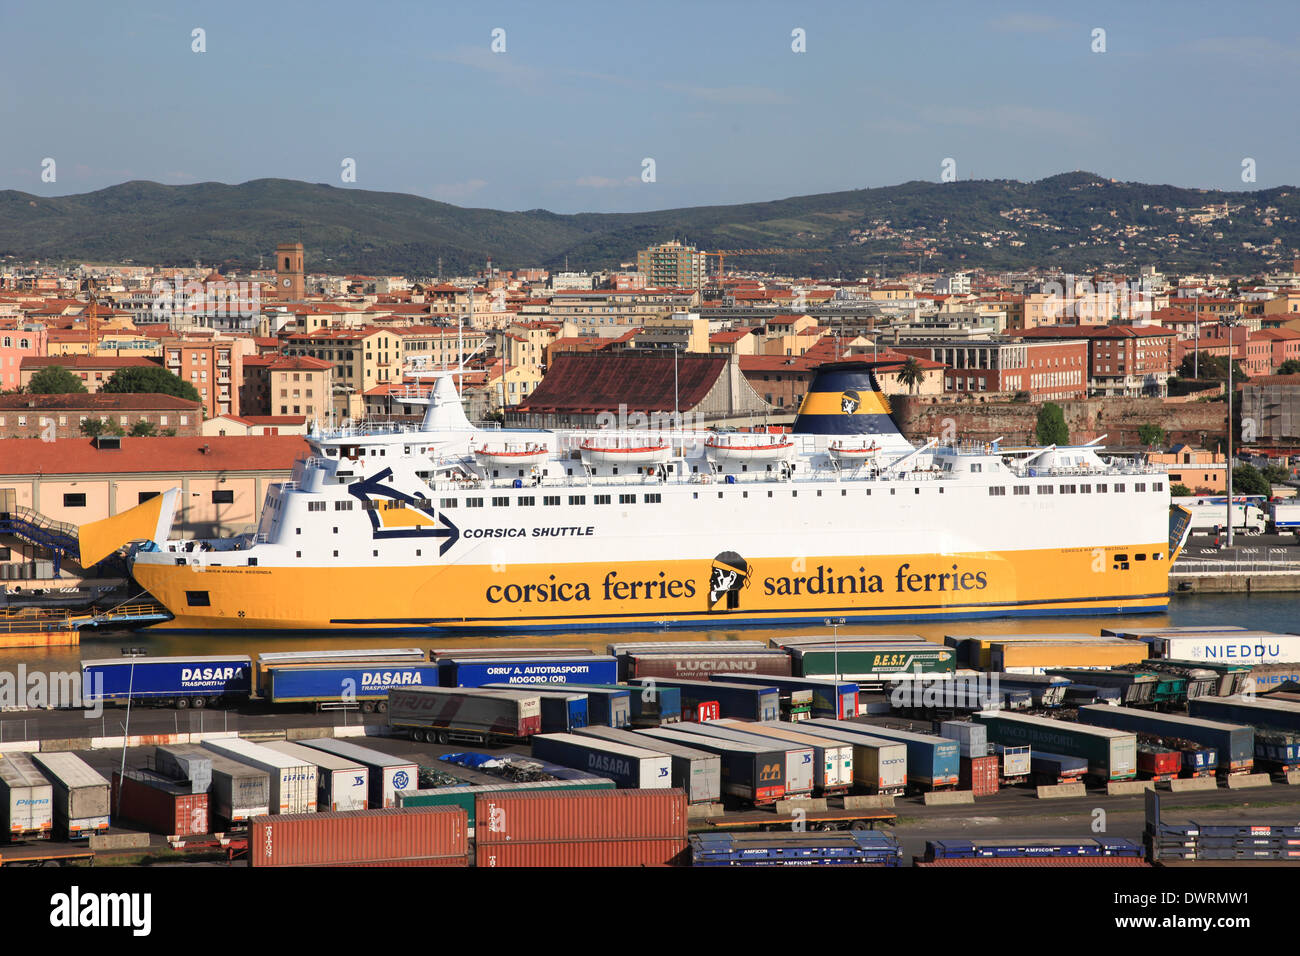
(1073, 221)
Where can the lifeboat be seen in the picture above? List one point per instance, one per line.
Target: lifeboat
(749, 447)
(853, 450)
(511, 454)
(615, 451)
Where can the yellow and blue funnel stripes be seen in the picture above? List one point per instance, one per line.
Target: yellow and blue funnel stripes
(844, 399)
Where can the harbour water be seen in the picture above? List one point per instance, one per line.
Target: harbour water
(1265, 612)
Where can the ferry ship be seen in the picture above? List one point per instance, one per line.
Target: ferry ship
(445, 526)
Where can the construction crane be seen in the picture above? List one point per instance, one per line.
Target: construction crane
(92, 317)
(722, 254)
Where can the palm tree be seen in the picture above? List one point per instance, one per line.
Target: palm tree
(911, 374)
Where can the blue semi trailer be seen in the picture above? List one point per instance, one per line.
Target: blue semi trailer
(526, 671)
(364, 685)
(179, 682)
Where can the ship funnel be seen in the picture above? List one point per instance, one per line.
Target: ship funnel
(844, 399)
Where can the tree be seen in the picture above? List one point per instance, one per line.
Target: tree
(1247, 480)
(1051, 429)
(1151, 435)
(155, 380)
(1212, 367)
(94, 427)
(1276, 474)
(1289, 367)
(143, 429)
(1180, 491)
(911, 374)
(55, 380)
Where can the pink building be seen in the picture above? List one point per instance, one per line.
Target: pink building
(18, 340)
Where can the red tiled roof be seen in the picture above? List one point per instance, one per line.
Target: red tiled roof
(283, 362)
(92, 362)
(589, 382)
(227, 453)
(99, 402)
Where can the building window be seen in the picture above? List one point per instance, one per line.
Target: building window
(74, 501)
(144, 496)
(225, 496)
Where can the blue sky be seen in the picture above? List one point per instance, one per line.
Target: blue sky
(585, 91)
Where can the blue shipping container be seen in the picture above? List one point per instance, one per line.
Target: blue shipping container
(931, 761)
(742, 701)
(475, 672)
(166, 677)
(651, 710)
(332, 682)
(831, 698)
(606, 706)
(562, 710)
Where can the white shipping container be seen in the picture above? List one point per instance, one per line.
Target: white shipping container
(834, 767)
(292, 782)
(388, 774)
(26, 798)
(972, 739)
(341, 784)
(1232, 647)
(800, 777)
(1016, 761)
(80, 793)
(628, 766)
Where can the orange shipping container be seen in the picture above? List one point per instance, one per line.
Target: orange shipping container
(413, 837)
(527, 817)
(1005, 656)
(669, 852)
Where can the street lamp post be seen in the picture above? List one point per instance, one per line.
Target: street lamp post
(133, 653)
(1230, 326)
(834, 624)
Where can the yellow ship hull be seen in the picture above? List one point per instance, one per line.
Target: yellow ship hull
(606, 596)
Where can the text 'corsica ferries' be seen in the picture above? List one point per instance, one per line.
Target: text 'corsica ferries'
(449, 526)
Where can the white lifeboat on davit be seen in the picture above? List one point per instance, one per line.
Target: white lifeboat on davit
(625, 451)
(745, 446)
(853, 449)
(520, 453)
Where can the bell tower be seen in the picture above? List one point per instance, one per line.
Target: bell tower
(290, 280)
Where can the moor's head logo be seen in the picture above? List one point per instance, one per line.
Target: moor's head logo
(728, 577)
(850, 402)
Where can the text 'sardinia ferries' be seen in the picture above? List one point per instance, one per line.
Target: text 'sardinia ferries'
(446, 525)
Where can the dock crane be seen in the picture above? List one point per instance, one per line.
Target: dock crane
(722, 254)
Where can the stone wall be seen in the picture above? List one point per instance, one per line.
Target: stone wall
(1119, 419)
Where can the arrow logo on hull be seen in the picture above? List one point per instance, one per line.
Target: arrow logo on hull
(371, 491)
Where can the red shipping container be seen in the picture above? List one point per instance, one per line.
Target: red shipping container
(1160, 765)
(979, 774)
(398, 836)
(672, 852)
(699, 666)
(429, 861)
(151, 801)
(528, 817)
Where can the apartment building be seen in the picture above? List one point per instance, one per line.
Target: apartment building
(672, 265)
